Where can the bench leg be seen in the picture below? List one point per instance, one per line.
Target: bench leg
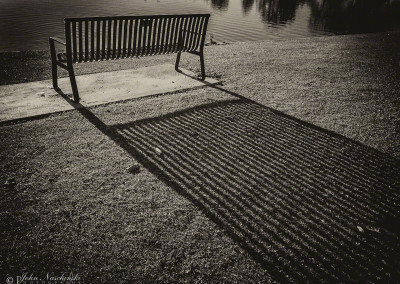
(178, 58)
(203, 71)
(54, 75)
(73, 84)
(53, 65)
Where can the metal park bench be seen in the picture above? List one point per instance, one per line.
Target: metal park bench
(107, 38)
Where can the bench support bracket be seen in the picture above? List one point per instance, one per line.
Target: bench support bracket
(203, 72)
(68, 67)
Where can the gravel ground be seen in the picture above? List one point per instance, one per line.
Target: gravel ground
(346, 84)
(287, 171)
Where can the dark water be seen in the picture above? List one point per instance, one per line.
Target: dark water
(27, 24)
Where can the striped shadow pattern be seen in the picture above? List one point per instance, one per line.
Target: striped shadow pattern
(306, 204)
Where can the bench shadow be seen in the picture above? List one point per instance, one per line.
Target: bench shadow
(306, 204)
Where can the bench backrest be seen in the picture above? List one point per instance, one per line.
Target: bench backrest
(102, 38)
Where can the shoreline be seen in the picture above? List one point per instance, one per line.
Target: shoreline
(17, 65)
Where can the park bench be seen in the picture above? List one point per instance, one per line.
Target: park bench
(108, 38)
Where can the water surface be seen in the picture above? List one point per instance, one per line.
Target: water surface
(27, 24)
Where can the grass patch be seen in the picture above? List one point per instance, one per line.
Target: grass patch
(240, 193)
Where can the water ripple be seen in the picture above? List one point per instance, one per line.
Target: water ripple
(27, 24)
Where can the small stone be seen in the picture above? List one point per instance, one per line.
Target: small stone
(10, 183)
(135, 168)
(360, 229)
(40, 94)
(373, 229)
(158, 151)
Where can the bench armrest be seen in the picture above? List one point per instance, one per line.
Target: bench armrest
(56, 39)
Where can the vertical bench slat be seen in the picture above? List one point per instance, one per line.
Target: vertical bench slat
(74, 47)
(189, 32)
(184, 27)
(154, 36)
(199, 33)
(108, 51)
(86, 35)
(135, 41)
(167, 35)
(80, 41)
(125, 37)
(162, 43)
(130, 37)
(150, 36)
(68, 39)
(158, 41)
(114, 40)
(92, 40)
(119, 36)
(176, 34)
(98, 40)
(204, 29)
(139, 38)
(171, 47)
(144, 37)
(181, 34)
(185, 36)
(103, 39)
(170, 34)
(162, 35)
(195, 34)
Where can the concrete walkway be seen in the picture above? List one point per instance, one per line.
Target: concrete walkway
(38, 98)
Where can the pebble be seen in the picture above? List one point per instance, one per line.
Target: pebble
(158, 151)
(10, 183)
(135, 168)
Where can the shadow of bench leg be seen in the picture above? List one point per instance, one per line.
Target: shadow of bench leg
(73, 84)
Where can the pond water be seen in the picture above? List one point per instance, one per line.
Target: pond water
(27, 24)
